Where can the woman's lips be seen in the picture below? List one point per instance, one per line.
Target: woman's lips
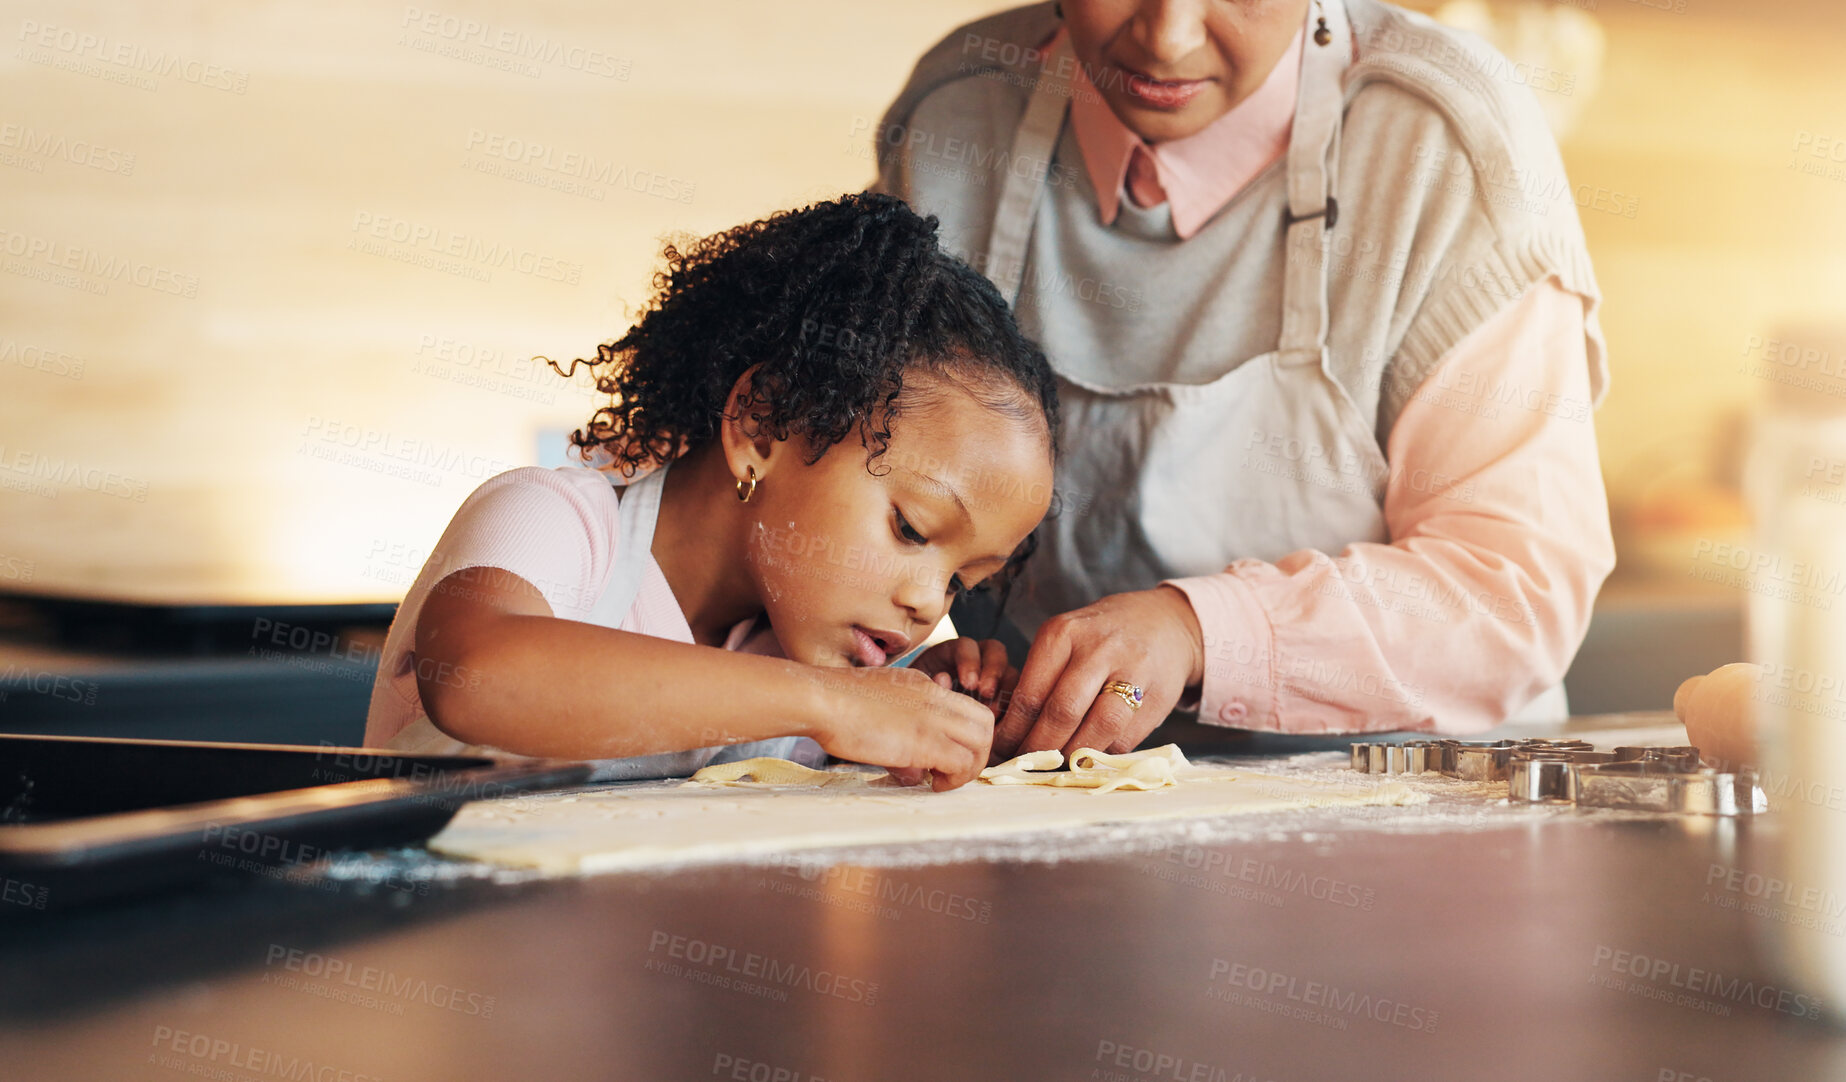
(1161, 93)
(866, 650)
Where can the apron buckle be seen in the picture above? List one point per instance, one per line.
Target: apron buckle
(1331, 210)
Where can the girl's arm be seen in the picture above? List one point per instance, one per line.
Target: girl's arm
(494, 667)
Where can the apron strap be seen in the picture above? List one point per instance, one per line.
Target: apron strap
(1033, 145)
(1312, 211)
(639, 505)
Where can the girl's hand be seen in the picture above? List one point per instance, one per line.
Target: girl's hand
(975, 667)
(904, 720)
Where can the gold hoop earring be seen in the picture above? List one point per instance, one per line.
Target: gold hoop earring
(1322, 36)
(747, 489)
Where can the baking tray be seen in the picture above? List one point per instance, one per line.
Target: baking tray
(84, 819)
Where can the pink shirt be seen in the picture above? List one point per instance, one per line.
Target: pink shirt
(1491, 570)
(556, 529)
(1200, 173)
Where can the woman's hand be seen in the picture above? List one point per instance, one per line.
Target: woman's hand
(976, 667)
(904, 720)
(1149, 638)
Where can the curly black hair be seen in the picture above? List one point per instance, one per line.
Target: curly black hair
(833, 303)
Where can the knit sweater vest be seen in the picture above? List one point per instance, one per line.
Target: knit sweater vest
(1452, 202)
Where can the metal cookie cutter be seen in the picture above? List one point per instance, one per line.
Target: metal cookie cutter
(1469, 760)
(1495, 762)
(1481, 761)
(1667, 779)
(1683, 759)
(1658, 785)
(1548, 776)
(1478, 762)
(1410, 757)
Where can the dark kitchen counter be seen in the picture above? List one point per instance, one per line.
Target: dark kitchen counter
(1332, 946)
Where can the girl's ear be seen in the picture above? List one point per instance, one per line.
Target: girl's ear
(745, 445)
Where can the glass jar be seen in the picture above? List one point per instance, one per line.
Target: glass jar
(1795, 483)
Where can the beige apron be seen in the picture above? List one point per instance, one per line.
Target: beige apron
(1181, 479)
(639, 506)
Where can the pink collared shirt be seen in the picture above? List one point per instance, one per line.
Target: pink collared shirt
(1197, 174)
(1404, 635)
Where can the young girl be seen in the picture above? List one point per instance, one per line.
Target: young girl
(822, 429)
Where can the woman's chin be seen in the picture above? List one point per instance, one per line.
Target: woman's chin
(1164, 125)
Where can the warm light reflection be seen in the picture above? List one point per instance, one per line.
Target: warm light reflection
(355, 234)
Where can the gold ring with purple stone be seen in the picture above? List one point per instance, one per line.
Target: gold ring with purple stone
(1130, 693)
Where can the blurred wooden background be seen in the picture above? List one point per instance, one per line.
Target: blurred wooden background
(273, 273)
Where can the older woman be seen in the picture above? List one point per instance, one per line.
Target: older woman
(1325, 330)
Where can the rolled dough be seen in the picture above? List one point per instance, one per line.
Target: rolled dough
(1097, 771)
(649, 824)
(766, 771)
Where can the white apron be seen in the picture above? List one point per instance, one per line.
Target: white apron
(639, 506)
(1174, 486)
